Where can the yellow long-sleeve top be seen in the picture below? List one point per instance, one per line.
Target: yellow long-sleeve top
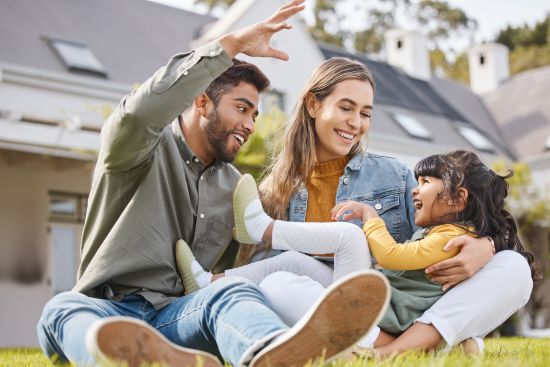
(411, 255)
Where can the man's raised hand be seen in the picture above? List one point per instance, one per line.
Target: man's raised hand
(255, 40)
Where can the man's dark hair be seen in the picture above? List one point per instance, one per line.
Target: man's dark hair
(240, 72)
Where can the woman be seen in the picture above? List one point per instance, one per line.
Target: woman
(323, 162)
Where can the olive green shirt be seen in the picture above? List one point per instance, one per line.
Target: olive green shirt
(149, 190)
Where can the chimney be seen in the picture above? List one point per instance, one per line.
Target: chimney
(488, 67)
(409, 51)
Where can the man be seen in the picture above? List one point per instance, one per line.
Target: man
(163, 174)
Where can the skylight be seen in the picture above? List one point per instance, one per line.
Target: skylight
(77, 57)
(475, 138)
(412, 126)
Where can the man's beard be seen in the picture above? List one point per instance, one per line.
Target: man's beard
(217, 137)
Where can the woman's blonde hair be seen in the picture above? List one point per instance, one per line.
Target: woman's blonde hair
(293, 165)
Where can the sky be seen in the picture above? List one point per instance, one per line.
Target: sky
(492, 15)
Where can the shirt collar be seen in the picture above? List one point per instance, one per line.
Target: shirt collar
(190, 158)
(356, 161)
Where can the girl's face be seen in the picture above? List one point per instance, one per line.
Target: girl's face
(342, 118)
(431, 207)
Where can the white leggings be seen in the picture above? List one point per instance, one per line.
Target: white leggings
(472, 308)
(347, 241)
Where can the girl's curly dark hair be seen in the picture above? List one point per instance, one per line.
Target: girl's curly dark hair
(485, 206)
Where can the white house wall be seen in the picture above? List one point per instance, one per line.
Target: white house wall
(289, 76)
(25, 251)
(61, 104)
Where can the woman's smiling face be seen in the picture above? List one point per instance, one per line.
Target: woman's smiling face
(342, 118)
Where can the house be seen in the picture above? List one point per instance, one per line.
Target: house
(64, 71)
(64, 65)
(521, 107)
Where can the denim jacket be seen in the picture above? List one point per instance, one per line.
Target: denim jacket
(382, 182)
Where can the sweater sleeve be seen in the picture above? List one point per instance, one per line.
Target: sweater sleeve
(411, 255)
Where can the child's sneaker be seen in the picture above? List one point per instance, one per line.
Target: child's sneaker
(251, 220)
(471, 346)
(192, 274)
(345, 313)
(117, 341)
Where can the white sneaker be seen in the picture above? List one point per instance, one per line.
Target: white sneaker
(115, 341)
(471, 346)
(345, 313)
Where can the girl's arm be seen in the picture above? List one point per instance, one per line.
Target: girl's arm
(390, 254)
(411, 255)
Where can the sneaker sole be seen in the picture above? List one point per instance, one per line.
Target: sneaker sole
(349, 309)
(246, 187)
(124, 341)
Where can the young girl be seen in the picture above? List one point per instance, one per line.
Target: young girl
(457, 194)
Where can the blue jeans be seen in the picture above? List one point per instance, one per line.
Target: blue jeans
(227, 318)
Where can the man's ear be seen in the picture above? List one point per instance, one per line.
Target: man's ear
(312, 104)
(201, 103)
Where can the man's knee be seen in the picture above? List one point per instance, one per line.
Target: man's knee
(59, 304)
(232, 284)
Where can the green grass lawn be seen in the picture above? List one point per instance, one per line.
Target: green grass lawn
(501, 352)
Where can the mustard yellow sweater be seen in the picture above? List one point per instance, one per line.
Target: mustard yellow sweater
(321, 189)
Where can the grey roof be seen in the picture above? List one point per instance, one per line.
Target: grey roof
(521, 107)
(471, 106)
(439, 104)
(395, 87)
(131, 38)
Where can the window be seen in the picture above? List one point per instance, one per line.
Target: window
(399, 43)
(78, 57)
(475, 138)
(547, 144)
(412, 126)
(272, 99)
(67, 207)
(481, 59)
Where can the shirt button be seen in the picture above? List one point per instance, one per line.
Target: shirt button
(212, 53)
(378, 206)
(202, 178)
(202, 215)
(346, 180)
(187, 162)
(196, 160)
(185, 72)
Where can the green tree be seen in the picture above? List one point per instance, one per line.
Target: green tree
(459, 69)
(525, 36)
(436, 19)
(530, 206)
(254, 156)
(326, 29)
(440, 21)
(529, 45)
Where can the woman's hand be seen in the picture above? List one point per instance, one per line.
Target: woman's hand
(255, 40)
(353, 210)
(474, 254)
